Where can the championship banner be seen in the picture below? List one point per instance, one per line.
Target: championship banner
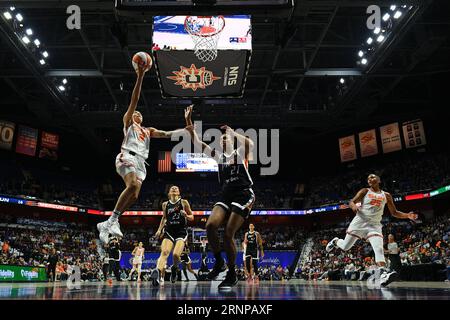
(414, 134)
(271, 258)
(22, 274)
(6, 134)
(27, 141)
(347, 148)
(49, 146)
(390, 138)
(368, 143)
(181, 74)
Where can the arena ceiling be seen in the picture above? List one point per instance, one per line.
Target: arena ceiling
(293, 81)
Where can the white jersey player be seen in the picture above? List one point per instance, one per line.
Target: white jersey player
(138, 256)
(366, 225)
(130, 162)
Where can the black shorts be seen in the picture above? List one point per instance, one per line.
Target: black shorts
(175, 234)
(253, 254)
(185, 258)
(238, 201)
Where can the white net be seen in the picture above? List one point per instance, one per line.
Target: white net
(205, 33)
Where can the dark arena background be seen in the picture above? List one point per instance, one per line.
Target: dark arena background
(333, 90)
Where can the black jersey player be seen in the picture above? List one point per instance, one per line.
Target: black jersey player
(176, 212)
(237, 196)
(252, 241)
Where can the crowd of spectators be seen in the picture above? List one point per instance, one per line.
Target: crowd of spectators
(405, 175)
(418, 173)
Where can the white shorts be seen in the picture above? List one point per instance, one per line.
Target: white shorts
(137, 260)
(364, 229)
(126, 163)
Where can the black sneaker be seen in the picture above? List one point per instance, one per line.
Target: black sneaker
(230, 281)
(388, 277)
(218, 268)
(173, 274)
(155, 277)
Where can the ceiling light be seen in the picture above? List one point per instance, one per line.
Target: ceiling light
(42, 61)
(29, 32)
(64, 81)
(7, 15)
(386, 17)
(364, 61)
(342, 80)
(19, 17)
(37, 42)
(397, 14)
(61, 88)
(376, 30)
(380, 38)
(25, 40)
(369, 41)
(393, 7)
(45, 54)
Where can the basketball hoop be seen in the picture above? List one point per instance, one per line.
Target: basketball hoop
(205, 32)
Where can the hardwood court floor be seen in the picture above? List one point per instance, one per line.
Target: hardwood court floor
(193, 290)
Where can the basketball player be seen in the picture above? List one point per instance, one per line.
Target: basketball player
(253, 241)
(176, 212)
(367, 225)
(237, 196)
(186, 262)
(138, 254)
(130, 162)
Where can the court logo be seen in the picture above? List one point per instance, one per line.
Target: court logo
(374, 20)
(193, 78)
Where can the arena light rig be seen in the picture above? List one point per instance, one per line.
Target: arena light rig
(390, 19)
(25, 34)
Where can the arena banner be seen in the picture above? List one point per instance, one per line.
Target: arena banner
(414, 134)
(347, 148)
(181, 74)
(49, 146)
(27, 140)
(368, 143)
(390, 138)
(22, 274)
(271, 258)
(6, 134)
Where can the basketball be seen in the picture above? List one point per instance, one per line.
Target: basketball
(143, 59)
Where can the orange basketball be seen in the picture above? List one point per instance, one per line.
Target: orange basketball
(142, 59)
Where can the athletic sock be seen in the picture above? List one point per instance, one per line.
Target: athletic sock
(115, 216)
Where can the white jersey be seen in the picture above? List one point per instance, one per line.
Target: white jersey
(137, 140)
(139, 253)
(372, 206)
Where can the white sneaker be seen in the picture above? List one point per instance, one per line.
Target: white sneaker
(331, 245)
(387, 277)
(115, 229)
(103, 228)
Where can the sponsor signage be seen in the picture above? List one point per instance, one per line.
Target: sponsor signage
(22, 274)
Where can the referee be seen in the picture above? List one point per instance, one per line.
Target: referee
(393, 254)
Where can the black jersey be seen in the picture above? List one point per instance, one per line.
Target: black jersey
(175, 219)
(252, 241)
(233, 171)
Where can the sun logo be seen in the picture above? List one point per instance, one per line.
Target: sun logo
(193, 78)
